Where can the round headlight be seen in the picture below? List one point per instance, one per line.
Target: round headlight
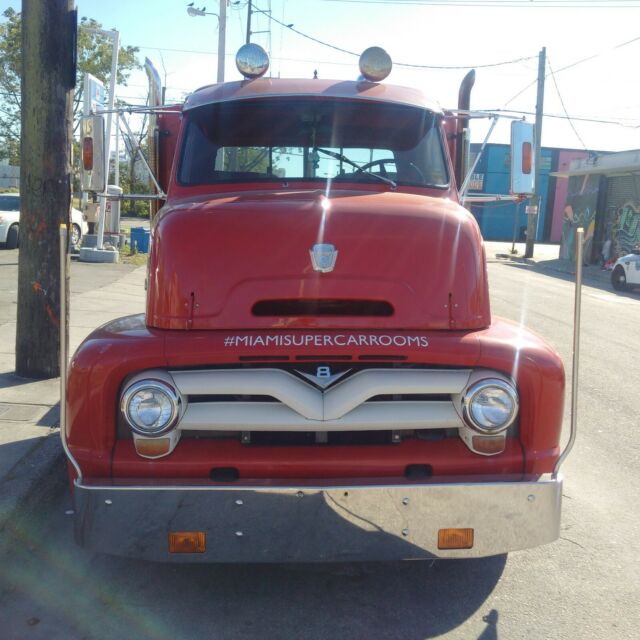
(150, 407)
(490, 405)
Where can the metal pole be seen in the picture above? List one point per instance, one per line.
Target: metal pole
(115, 35)
(64, 341)
(116, 177)
(249, 12)
(86, 108)
(467, 178)
(222, 30)
(576, 352)
(515, 226)
(536, 197)
(161, 193)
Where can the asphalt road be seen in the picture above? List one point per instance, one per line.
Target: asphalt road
(585, 585)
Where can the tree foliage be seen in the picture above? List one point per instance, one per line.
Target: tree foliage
(94, 57)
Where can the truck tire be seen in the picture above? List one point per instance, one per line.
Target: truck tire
(12, 237)
(619, 279)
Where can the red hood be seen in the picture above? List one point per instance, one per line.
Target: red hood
(214, 258)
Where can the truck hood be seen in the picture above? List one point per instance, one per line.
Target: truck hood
(243, 261)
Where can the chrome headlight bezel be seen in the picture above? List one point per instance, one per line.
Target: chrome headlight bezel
(157, 386)
(474, 390)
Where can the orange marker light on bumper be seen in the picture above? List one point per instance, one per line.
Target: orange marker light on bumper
(152, 447)
(455, 538)
(187, 542)
(489, 445)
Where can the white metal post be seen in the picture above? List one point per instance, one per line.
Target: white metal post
(64, 344)
(116, 177)
(576, 352)
(222, 31)
(115, 36)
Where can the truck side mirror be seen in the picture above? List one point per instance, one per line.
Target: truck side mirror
(522, 158)
(92, 168)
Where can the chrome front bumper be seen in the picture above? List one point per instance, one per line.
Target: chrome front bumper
(262, 523)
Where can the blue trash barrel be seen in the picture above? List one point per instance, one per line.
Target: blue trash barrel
(140, 239)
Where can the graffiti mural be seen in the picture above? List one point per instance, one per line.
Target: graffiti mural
(625, 229)
(579, 211)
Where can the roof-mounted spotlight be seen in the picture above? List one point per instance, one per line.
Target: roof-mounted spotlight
(375, 64)
(252, 60)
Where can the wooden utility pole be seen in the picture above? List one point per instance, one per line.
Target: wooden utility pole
(48, 80)
(532, 219)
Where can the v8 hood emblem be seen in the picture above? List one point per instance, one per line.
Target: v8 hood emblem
(323, 377)
(323, 257)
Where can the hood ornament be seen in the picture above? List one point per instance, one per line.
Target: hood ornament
(323, 257)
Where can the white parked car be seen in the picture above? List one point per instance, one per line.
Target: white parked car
(626, 272)
(10, 222)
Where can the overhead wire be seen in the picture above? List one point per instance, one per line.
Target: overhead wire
(564, 117)
(269, 15)
(508, 4)
(398, 64)
(574, 64)
(564, 108)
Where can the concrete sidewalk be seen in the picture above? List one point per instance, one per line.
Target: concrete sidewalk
(545, 259)
(29, 409)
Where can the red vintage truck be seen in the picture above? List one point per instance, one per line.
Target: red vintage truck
(318, 376)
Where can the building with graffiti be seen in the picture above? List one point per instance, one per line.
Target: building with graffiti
(603, 197)
(505, 220)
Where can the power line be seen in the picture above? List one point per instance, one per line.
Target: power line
(575, 64)
(619, 123)
(506, 4)
(617, 46)
(352, 53)
(398, 64)
(564, 108)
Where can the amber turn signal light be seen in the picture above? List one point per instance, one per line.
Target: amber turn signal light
(455, 538)
(489, 445)
(527, 157)
(187, 542)
(152, 447)
(87, 153)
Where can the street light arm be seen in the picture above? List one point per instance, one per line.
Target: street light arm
(103, 32)
(196, 13)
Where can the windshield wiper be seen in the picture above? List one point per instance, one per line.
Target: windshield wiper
(343, 158)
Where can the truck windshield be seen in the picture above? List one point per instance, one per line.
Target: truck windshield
(312, 139)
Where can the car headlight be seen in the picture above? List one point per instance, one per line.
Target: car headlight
(490, 405)
(150, 407)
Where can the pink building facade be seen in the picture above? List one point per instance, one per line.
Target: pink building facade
(564, 160)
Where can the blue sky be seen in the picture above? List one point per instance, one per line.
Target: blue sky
(425, 32)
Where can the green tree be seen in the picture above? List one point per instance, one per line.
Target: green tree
(94, 56)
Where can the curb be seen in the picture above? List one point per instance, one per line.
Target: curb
(599, 277)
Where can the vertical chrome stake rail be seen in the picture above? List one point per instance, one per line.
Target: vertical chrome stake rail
(467, 179)
(64, 351)
(576, 353)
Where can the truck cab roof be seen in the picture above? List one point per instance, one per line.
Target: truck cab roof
(335, 89)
